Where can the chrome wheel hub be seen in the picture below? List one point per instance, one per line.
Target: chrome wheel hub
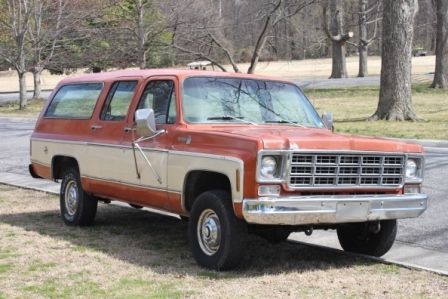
(71, 197)
(209, 232)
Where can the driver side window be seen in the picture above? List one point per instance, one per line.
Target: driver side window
(160, 96)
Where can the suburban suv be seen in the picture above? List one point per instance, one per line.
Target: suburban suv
(233, 153)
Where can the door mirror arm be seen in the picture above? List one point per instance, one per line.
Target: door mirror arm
(146, 129)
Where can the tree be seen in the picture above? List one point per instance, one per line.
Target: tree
(45, 30)
(395, 102)
(337, 35)
(365, 18)
(15, 23)
(201, 32)
(109, 27)
(145, 25)
(197, 31)
(441, 73)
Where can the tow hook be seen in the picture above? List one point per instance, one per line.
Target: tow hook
(375, 227)
(309, 231)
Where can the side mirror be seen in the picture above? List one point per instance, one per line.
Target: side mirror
(146, 123)
(327, 118)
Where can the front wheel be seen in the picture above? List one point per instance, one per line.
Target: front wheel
(77, 207)
(370, 238)
(217, 237)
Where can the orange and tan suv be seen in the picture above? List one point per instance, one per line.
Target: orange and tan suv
(231, 152)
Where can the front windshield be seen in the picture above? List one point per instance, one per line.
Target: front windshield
(218, 100)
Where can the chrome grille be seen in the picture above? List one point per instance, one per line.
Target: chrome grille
(315, 170)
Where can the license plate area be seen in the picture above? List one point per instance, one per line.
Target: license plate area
(358, 210)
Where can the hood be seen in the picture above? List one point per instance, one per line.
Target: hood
(288, 137)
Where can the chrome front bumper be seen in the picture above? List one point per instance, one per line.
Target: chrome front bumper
(303, 210)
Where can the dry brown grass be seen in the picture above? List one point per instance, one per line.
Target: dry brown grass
(130, 253)
(295, 69)
(321, 68)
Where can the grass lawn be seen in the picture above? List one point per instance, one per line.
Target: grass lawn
(351, 107)
(135, 254)
(32, 110)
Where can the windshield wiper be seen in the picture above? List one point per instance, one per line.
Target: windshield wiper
(229, 117)
(282, 121)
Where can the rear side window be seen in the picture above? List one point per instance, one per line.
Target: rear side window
(75, 101)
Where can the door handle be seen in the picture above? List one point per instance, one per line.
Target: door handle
(95, 127)
(128, 129)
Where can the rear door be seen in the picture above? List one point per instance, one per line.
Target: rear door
(107, 165)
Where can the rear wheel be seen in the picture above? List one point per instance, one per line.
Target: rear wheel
(370, 238)
(217, 237)
(77, 207)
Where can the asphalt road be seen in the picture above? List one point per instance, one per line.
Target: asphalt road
(429, 231)
(10, 97)
(13, 97)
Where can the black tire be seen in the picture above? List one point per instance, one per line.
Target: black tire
(274, 235)
(81, 213)
(184, 218)
(361, 238)
(216, 206)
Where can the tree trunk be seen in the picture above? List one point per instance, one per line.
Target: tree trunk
(255, 58)
(21, 71)
(259, 45)
(363, 58)
(142, 59)
(141, 34)
(22, 88)
(441, 73)
(395, 101)
(261, 40)
(362, 46)
(338, 38)
(37, 72)
(339, 68)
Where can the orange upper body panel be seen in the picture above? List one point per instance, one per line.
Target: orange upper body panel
(284, 136)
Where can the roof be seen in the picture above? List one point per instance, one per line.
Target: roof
(180, 73)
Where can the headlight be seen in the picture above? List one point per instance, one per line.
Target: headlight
(268, 167)
(414, 170)
(411, 169)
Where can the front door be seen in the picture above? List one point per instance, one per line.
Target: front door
(159, 94)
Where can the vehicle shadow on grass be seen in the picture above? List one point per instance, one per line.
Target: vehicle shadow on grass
(160, 243)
